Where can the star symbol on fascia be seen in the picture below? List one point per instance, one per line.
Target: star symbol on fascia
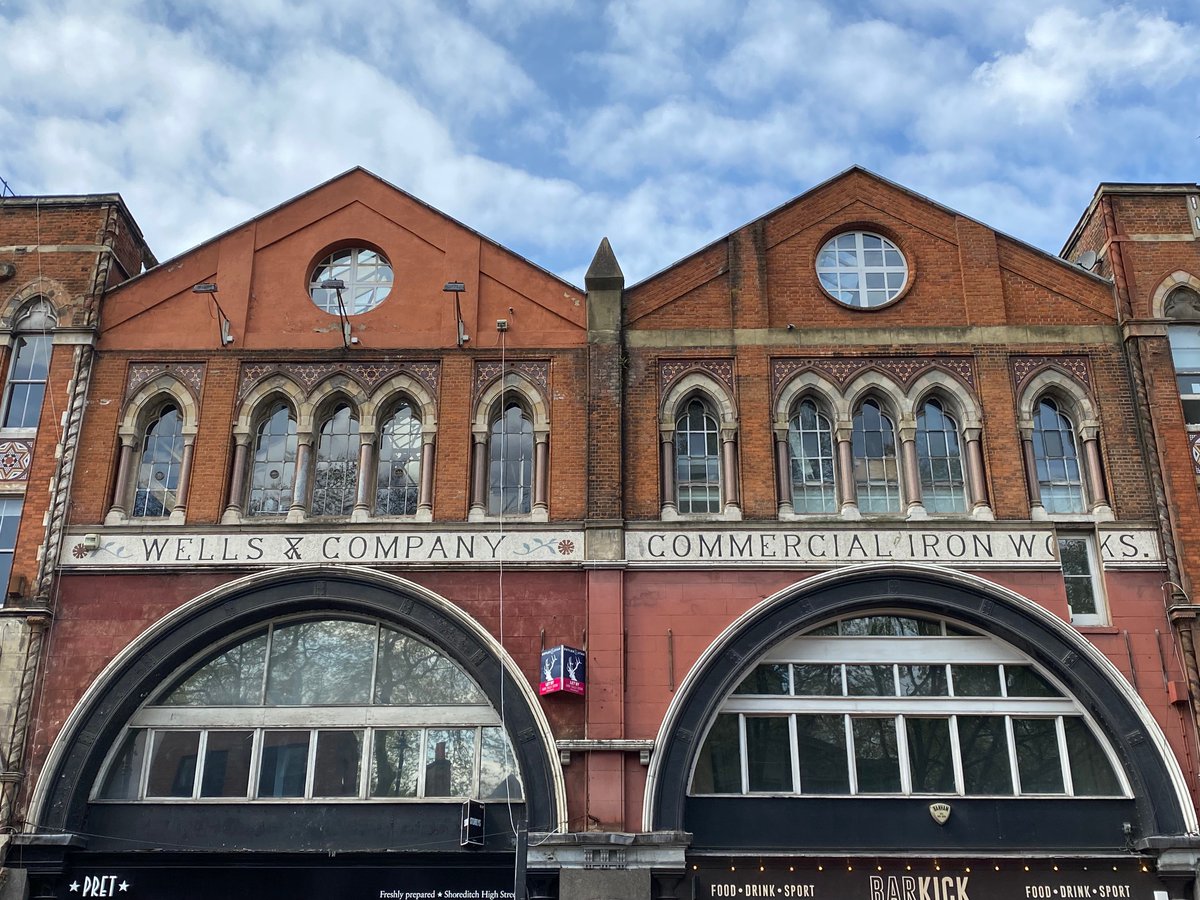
(124, 885)
(74, 886)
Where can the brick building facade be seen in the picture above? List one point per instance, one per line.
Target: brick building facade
(874, 525)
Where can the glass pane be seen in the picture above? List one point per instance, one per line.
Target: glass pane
(1024, 681)
(821, 743)
(338, 763)
(413, 673)
(498, 779)
(923, 681)
(125, 774)
(510, 464)
(870, 681)
(227, 764)
(335, 476)
(284, 766)
(930, 758)
(173, 764)
(890, 626)
(399, 472)
(975, 681)
(719, 768)
(771, 678)
(1091, 772)
(323, 662)
(984, 746)
(768, 753)
(1038, 759)
(820, 681)
(235, 678)
(875, 756)
(1073, 554)
(450, 762)
(396, 760)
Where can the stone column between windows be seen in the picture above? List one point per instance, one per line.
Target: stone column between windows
(179, 511)
(302, 482)
(666, 442)
(479, 448)
(980, 508)
(1097, 489)
(119, 510)
(783, 470)
(910, 476)
(237, 481)
(541, 475)
(730, 501)
(1036, 510)
(366, 477)
(845, 470)
(425, 486)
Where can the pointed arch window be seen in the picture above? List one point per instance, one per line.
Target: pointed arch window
(1183, 306)
(697, 459)
(510, 463)
(939, 460)
(1060, 479)
(810, 451)
(316, 709)
(160, 465)
(273, 471)
(397, 486)
(876, 470)
(335, 476)
(30, 367)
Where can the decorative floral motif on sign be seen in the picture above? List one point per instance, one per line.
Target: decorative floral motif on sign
(566, 548)
(368, 375)
(488, 370)
(1025, 368)
(15, 457)
(843, 370)
(670, 370)
(190, 375)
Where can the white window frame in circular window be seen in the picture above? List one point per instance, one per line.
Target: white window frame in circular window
(862, 269)
(366, 277)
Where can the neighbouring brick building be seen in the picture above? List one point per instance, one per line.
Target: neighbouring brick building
(875, 526)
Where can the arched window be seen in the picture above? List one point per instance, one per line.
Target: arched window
(810, 451)
(316, 708)
(901, 705)
(876, 473)
(397, 483)
(335, 477)
(1183, 306)
(939, 460)
(697, 459)
(510, 463)
(26, 386)
(160, 465)
(273, 472)
(1060, 480)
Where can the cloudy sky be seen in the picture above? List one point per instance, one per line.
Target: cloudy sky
(547, 124)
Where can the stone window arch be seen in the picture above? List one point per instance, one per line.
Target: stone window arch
(263, 474)
(698, 428)
(29, 365)
(1180, 304)
(399, 432)
(158, 435)
(806, 447)
(510, 454)
(949, 476)
(1060, 436)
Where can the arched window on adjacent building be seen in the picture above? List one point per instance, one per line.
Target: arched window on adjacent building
(510, 463)
(697, 459)
(160, 465)
(273, 467)
(940, 460)
(1182, 306)
(25, 389)
(335, 470)
(811, 459)
(397, 483)
(1059, 475)
(876, 465)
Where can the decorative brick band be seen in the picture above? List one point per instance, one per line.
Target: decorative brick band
(15, 457)
(367, 375)
(671, 370)
(488, 370)
(842, 370)
(190, 375)
(1025, 368)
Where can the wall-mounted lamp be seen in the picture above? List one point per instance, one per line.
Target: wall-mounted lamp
(456, 288)
(337, 286)
(210, 288)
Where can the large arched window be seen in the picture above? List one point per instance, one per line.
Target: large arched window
(160, 464)
(325, 708)
(397, 485)
(876, 471)
(273, 471)
(939, 460)
(335, 475)
(510, 463)
(811, 457)
(1060, 480)
(697, 459)
(897, 704)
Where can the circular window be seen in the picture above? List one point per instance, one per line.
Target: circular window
(362, 278)
(861, 269)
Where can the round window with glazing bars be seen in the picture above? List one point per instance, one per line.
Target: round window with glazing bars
(356, 279)
(861, 269)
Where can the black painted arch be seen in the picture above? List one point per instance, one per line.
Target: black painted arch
(235, 609)
(1156, 803)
